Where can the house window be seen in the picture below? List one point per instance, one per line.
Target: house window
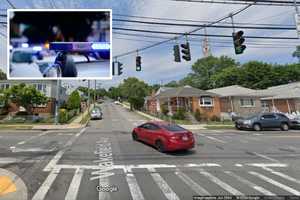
(206, 101)
(4, 86)
(247, 102)
(41, 88)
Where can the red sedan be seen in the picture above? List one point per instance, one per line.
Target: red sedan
(164, 136)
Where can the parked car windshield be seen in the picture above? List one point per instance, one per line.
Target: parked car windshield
(173, 127)
(22, 57)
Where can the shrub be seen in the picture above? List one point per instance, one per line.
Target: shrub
(215, 118)
(179, 114)
(63, 116)
(164, 109)
(198, 115)
(22, 113)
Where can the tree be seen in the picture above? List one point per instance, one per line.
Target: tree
(134, 91)
(2, 75)
(25, 95)
(172, 84)
(203, 69)
(296, 53)
(227, 77)
(114, 92)
(74, 101)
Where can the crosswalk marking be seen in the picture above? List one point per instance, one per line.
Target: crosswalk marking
(74, 185)
(134, 188)
(43, 190)
(265, 157)
(222, 184)
(194, 186)
(280, 185)
(215, 139)
(163, 185)
(250, 184)
(282, 175)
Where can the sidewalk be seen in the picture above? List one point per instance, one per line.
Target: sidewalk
(189, 127)
(75, 124)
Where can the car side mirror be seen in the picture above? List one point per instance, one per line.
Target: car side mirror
(262, 118)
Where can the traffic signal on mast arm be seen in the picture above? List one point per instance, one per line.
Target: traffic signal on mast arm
(113, 68)
(176, 50)
(120, 68)
(186, 51)
(138, 64)
(238, 41)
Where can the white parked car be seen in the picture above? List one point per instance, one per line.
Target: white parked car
(23, 63)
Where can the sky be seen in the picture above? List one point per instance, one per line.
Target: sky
(157, 63)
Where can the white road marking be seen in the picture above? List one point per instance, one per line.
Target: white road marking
(8, 160)
(265, 157)
(128, 168)
(59, 154)
(163, 185)
(134, 188)
(282, 175)
(32, 137)
(250, 184)
(215, 139)
(222, 184)
(238, 165)
(194, 186)
(267, 164)
(74, 185)
(280, 185)
(43, 190)
(16, 150)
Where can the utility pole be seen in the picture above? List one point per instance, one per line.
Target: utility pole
(89, 96)
(95, 93)
(206, 47)
(297, 18)
(57, 101)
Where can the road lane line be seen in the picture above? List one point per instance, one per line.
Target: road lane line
(163, 185)
(191, 183)
(59, 154)
(134, 188)
(32, 137)
(282, 175)
(74, 185)
(265, 157)
(43, 190)
(215, 139)
(222, 184)
(250, 184)
(280, 185)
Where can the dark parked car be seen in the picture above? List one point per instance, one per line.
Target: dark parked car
(164, 136)
(295, 123)
(264, 120)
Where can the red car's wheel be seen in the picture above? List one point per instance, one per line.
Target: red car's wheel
(135, 136)
(159, 146)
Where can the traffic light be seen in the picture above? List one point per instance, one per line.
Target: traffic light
(138, 63)
(176, 50)
(238, 41)
(186, 51)
(120, 68)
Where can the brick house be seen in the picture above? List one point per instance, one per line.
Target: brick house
(188, 98)
(240, 100)
(284, 98)
(47, 87)
(244, 101)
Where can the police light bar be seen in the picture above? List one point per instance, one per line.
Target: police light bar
(79, 46)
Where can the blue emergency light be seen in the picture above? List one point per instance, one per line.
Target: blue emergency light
(80, 46)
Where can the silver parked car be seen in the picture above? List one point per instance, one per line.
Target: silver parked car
(96, 113)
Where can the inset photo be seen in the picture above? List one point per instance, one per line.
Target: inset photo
(59, 44)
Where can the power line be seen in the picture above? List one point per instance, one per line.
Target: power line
(243, 2)
(211, 41)
(197, 29)
(194, 21)
(11, 5)
(205, 26)
(196, 34)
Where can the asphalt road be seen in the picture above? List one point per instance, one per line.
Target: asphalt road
(82, 164)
